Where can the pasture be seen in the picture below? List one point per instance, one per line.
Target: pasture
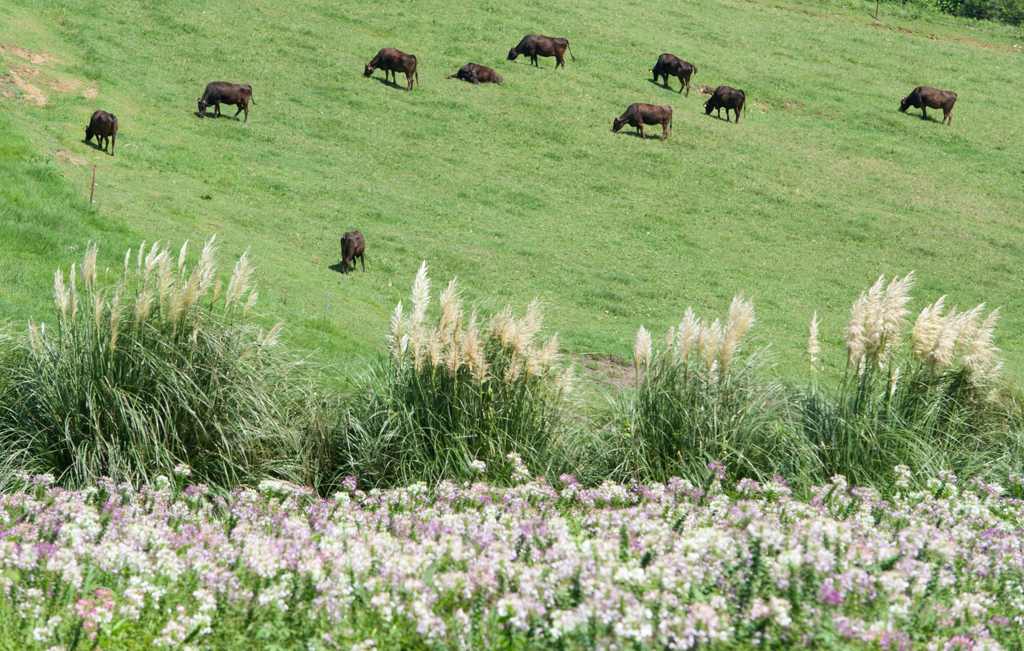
(522, 190)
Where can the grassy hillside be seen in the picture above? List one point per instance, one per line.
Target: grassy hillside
(522, 190)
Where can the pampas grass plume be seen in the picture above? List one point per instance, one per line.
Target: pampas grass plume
(813, 348)
(689, 330)
(741, 317)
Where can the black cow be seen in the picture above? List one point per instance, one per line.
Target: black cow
(726, 98)
(352, 247)
(670, 64)
(221, 92)
(637, 115)
(926, 97)
(477, 74)
(394, 61)
(535, 45)
(103, 125)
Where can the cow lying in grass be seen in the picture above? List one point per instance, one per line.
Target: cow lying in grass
(477, 74)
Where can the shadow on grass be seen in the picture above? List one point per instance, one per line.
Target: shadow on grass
(339, 267)
(96, 146)
(666, 86)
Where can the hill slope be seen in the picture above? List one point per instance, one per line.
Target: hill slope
(522, 190)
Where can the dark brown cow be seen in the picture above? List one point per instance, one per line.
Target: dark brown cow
(670, 64)
(637, 115)
(352, 247)
(103, 125)
(394, 61)
(477, 74)
(221, 92)
(926, 97)
(726, 98)
(535, 45)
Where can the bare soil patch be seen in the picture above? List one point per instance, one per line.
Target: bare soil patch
(64, 85)
(90, 93)
(31, 57)
(67, 157)
(609, 369)
(28, 91)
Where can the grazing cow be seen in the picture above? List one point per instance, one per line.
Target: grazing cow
(477, 74)
(394, 61)
(726, 98)
(535, 45)
(925, 97)
(637, 115)
(221, 92)
(103, 125)
(670, 64)
(352, 247)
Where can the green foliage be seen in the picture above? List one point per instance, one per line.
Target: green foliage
(456, 394)
(699, 402)
(521, 189)
(133, 379)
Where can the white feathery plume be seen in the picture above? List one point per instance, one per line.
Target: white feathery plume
(813, 349)
(741, 317)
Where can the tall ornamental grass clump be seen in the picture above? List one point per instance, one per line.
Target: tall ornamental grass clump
(457, 398)
(701, 401)
(136, 377)
(929, 403)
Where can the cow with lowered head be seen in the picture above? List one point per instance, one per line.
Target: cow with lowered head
(477, 74)
(926, 97)
(221, 92)
(535, 45)
(352, 247)
(671, 65)
(637, 115)
(103, 125)
(394, 61)
(726, 98)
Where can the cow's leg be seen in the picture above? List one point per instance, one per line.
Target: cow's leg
(240, 106)
(113, 141)
(362, 261)
(560, 61)
(924, 112)
(643, 134)
(408, 78)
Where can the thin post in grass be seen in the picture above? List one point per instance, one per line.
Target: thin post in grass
(93, 187)
(876, 8)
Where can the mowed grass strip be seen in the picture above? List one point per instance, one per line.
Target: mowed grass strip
(521, 190)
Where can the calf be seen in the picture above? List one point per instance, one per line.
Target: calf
(477, 74)
(394, 61)
(925, 97)
(352, 247)
(221, 92)
(535, 45)
(103, 125)
(670, 64)
(637, 115)
(726, 98)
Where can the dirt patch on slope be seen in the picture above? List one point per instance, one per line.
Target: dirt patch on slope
(90, 93)
(31, 57)
(29, 92)
(609, 369)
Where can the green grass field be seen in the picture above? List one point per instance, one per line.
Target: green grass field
(521, 190)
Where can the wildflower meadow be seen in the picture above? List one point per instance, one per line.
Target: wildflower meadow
(535, 565)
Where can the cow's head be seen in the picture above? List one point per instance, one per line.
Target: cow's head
(906, 103)
(512, 54)
(497, 78)
(202, 107)
(709, 106)
(88, 133)
(618, 123)
(368, 70)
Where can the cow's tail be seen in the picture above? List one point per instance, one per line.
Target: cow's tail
(252, 99)
(570, 50)
(694, 70)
